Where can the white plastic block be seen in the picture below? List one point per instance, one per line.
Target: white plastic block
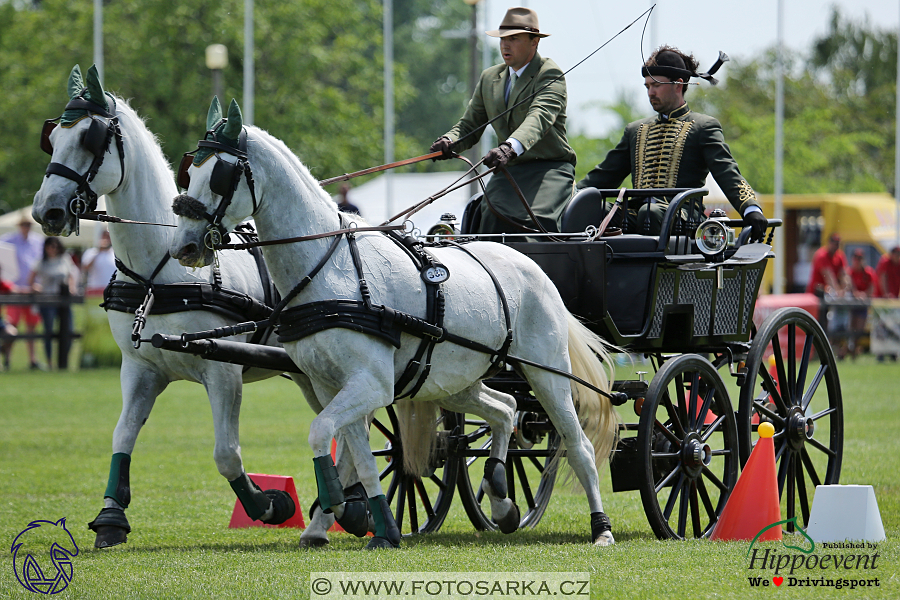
(845, 513)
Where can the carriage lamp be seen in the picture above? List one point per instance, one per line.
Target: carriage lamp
(445, 227)
(713, 236)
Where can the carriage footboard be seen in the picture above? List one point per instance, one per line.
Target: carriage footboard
(240, 353)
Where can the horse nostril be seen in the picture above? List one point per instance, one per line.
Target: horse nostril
(190, 250)
(54, 215)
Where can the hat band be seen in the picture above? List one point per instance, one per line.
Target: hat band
(666, 71)
(522, 27)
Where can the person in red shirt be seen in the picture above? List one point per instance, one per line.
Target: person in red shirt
(888, 273)
(864, 286)
(7, 331)
(862, 276)
(829, 270)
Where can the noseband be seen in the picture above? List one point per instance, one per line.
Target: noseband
(97, 140)
(224, 181)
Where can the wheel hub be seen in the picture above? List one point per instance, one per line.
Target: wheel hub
(695, 454)
(800, 428)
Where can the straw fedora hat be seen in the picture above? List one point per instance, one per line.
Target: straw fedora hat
(518, 20)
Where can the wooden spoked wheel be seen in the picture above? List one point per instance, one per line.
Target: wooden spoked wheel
(419, 504)
(792, 383)
(688, 447)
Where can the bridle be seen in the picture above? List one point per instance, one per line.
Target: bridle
(224, 181)
(96, 140)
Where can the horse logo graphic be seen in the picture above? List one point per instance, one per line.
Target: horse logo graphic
(30, 549)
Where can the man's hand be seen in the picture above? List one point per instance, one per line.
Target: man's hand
(757, 222)
(442, 145)
(499, 156)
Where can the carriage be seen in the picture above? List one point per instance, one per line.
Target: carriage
(684, 303)
(683, 299)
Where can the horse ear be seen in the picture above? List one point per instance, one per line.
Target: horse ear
(61, 522)
(95, 88)
(76, 83)
(214, 115)
(235, 121)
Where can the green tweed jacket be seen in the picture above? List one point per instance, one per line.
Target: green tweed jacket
(540, 125)
(678, 152)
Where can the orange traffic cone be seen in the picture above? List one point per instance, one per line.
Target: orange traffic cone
(754, 503)
(239, 516)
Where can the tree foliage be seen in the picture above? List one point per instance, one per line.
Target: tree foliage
(838, 134)
(319, 83)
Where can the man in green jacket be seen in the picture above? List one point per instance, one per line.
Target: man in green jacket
(534, 147)
(677, 148)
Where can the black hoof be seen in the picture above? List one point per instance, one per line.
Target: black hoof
(378, 543)
(283, 507)
(109, 536)
(111, 527)
(315, 542)
(510, 523)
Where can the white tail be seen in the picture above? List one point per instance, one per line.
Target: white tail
(591, 361)
(418, 433)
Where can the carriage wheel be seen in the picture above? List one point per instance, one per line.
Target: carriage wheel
(799, 393)
(529, 473)
(688, 446)
(419, 504)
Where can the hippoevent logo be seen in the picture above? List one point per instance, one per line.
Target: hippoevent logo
(840, 565)
(42, 556)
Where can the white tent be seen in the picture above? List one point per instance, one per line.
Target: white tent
(88, 236)
(409, 189)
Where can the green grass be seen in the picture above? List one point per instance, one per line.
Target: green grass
(55, 436)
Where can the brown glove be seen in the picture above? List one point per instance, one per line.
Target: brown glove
(499, 156)
(443, 145)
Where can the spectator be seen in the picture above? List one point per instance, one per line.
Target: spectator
(28, 245)
(344, 204)
(98, 266)
(888, 272)
(7, 331)
(862, 276)
(55, 273)
(829, 270)
(863, 287)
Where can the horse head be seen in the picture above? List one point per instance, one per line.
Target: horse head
(78, 141)
(217, 197)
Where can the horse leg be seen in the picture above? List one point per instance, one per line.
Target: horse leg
(140, 388)
(499, 410)
(316, 532)
(223, 383)
(555, 395)
(348, 411)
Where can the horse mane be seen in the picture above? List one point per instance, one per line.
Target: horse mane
(310, 184)
(137, 124)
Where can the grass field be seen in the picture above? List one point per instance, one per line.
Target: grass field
(55, 435)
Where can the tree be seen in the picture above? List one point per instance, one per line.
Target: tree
(834, 140)
(318, 76)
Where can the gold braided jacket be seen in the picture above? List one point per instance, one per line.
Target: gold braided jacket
(674, 152)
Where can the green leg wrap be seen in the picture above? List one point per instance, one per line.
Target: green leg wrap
(331, 493)
(118, 487)
(385, 526)
(253, 499)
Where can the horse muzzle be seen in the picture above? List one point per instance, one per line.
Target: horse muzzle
(192, 253)
(53, 216)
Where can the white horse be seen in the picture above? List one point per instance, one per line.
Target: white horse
(354, 372)
(139, 186)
